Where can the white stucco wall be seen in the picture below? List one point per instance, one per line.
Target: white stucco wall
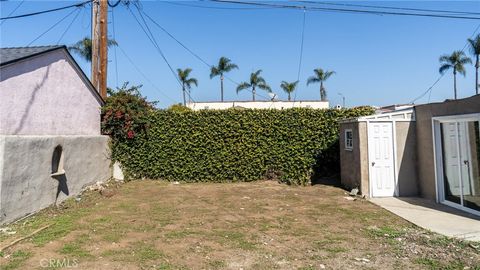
(258, 105)
(46, 95)
(26, 184)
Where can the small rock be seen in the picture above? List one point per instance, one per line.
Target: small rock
(176, 183)
(354, 192)
(107, 192)
(322, 266)
(349, 198)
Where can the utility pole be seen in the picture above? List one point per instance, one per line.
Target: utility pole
(95, 44)
(103, 48)
(99, 46)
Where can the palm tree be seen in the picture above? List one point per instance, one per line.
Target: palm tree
(455, 61)
(475, 50)
(183, 76)
(255, 81)
(320, 77)
(84, 48)
(288, 87)
(224, 65)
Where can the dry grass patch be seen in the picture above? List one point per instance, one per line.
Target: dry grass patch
(260, 225)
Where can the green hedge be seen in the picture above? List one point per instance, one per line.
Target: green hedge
(292, 145)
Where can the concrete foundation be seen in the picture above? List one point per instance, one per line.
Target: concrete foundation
(38, 171)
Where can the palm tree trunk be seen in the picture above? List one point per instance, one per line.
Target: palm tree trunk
(321, 90)
(477, 65)
(253, 93)
(221, 87)
(184, 99)
(289, 97)
(455, 83)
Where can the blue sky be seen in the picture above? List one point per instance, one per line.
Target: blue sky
(378, 60)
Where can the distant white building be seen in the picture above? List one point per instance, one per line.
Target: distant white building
(266, 104)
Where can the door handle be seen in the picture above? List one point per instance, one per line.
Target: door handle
(373, 163)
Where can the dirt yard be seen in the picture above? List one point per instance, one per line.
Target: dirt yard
(261, 225)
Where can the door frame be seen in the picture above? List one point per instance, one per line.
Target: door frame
(438, 157)
(394, 156)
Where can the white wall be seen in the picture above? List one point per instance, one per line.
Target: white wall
(46, 95)
(258, 105)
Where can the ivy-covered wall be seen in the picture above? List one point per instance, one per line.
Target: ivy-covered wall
(292, 145)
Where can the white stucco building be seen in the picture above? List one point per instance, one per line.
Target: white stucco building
(50, 141)
(267, 104)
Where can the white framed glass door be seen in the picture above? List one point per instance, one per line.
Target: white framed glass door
(457, 148)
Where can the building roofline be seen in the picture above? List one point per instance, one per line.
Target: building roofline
(258, 101)
(53, 48)
(71, 60)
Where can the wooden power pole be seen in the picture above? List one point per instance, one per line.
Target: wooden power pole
(95, 44)
(99, 46)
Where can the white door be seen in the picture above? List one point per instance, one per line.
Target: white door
(456, 157)
(382, 171)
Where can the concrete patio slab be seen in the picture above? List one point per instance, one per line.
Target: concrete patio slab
(432, 216)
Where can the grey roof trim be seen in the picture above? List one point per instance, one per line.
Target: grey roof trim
(37, 50)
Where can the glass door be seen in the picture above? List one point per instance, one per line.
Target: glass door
(460, 152)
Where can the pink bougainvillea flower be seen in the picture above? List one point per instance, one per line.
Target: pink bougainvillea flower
(130, 134)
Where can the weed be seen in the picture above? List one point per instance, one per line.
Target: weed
(17, 259)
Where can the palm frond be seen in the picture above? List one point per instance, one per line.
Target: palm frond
(474, 45)
(214, 72)
(242, 86)
(444, 68)
(312, 79)
(192, 81)
(265, 87)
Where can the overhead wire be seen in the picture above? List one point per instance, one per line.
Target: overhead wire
(69, 26)
(430, 89)
(13, 11)
(151, 37)
(351, 10)
(180, 3)
(301, 52)
(143, 74)
(388, 7)
(190, 51)
(51, 27)
(81, 4)
(115, 47)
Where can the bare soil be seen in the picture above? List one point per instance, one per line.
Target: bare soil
(260, 225)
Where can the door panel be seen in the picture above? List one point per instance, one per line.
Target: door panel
(471, 162)
(382, 177)
(460, 149)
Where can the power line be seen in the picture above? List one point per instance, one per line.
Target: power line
(429, 90)
(392, 8)
(152, 39)
(211, 7)
(51, 27)
(68, 27)
(143, 74)
(81, 4)
(359, 11)
(115, 47)
(189, 50)
(13, 11)
(301, 45)
(301, 52)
